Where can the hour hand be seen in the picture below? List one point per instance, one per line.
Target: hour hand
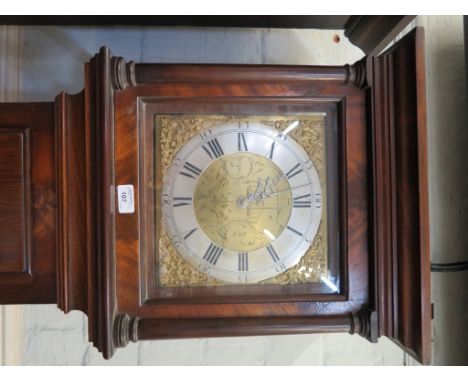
(269, 184)
(244, 201)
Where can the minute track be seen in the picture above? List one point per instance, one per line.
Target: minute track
(240, 163)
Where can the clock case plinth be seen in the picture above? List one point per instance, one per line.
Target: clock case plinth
(68, 244)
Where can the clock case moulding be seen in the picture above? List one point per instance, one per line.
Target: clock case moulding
(63, 241)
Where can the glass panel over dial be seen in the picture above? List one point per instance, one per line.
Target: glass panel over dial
(242, 200)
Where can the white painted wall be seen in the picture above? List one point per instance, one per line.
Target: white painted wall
(53, 60)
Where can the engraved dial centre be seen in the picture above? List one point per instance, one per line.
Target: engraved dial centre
(242, 201)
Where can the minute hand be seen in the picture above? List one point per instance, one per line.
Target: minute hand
(288, 189)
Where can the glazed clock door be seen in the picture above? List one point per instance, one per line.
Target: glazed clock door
(250, 197)
(242, 201)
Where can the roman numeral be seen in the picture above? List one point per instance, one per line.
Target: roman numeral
(241, 144)
(293, 171)
(243, 263)
(273, 253)
(212, 254)
(182, 201)
(272, 149)
(192, 231)
(303, 201)
(191, 170)
(213, 148)
(293, 230)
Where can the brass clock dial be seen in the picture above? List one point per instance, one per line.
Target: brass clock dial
(241, 202)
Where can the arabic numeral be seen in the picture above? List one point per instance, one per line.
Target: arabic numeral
(176, 240)
(123, 197)
(166, 199)
(308, 164)
(280, 268)
(318, 200)
(242, 278)
(206, 134)
(204, 268)
(282, 137)
(173, 170)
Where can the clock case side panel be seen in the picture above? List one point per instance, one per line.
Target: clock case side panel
(400, 189)
(57, 170)
(86, 260)
(28, 203)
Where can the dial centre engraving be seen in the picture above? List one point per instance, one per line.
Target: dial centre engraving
(242, 201)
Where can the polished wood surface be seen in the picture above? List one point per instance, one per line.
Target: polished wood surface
(250, 326)
(221, 21)
(85, 170)
(16, 195)
(401, 212)
(146, 74)
(28, 227)
(71, 191)
(170, 89)
(63, 239)
(101, 252)
(373, 33)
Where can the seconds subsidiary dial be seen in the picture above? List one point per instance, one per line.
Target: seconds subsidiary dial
(242, 202)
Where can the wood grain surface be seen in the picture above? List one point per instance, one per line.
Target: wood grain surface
(400, 192)
(63, 239)
(28, 206)
(243, 90)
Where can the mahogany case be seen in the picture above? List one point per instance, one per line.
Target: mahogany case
(62, 239)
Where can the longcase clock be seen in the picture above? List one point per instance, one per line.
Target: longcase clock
(179, 201)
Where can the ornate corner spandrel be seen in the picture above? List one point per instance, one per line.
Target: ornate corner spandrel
(125, 330)
(122, 73)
